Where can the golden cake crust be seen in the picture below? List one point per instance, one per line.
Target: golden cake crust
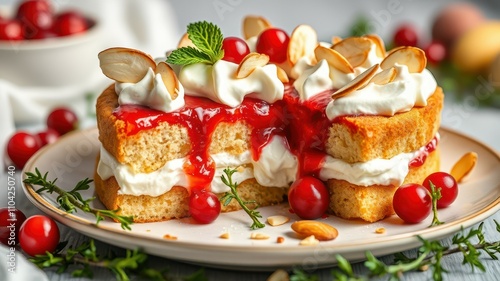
(362, 138)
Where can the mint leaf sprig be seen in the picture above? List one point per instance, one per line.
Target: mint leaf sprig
(72, 200)
(85, 257)
(233, 194)
(207, 39)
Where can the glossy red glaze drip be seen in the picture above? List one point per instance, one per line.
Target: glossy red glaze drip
(201, 116)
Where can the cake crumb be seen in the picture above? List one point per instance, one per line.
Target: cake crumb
(309, 241)
(258, 236)
(169, 237)
(380, 230)
(280, 239)
(224, 235)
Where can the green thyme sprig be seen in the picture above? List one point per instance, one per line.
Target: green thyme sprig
(435, 196)
(429, 256)
(233, 194)
(71, 201)
(207, 39)
(85, 257)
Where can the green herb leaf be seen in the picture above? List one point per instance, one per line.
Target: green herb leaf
(207, 38)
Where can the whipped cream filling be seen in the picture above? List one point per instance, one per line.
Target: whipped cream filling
(218, 83)
(391, 171)
(276, 167)
(150, 92)
(401, 95)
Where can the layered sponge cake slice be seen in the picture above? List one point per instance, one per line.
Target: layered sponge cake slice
(361, 120)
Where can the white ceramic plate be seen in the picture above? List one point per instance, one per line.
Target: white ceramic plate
(73, 159)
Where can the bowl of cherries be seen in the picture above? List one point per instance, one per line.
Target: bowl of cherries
(43, 47)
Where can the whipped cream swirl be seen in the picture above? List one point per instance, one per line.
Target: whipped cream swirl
(150, 92)
(218, 83)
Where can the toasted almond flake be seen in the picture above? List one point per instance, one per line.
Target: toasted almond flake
(309, 241)
(354, 49)
(356, 83)
(302, 43)
(185, 41)
(336, 39)
(282, 76)
(333, 58)
(124, 64)
(380, 230)
(464, 166)
(280, 239)
(224, 235)
(379, 43)
(254, 25)
(249, 63)
(169, 237)
(320, 230)
(412, 57)
(169, 78)
(258, 236)
(277, 220)
(279, 275)
(385, 76)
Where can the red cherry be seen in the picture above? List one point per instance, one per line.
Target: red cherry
(435, 52)
(63, 120)
(48, 136)
(11, 29)
(406, 35)
(235, 49)
(274, 43)
(447, 185)
(35, 15)
(70, 22)
(38, 234)
(412, 202)
(204, 206)
(308, 197)
(10, 222)
(43, 34)
(21, 147)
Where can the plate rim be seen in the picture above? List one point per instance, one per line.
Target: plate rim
(409, 238)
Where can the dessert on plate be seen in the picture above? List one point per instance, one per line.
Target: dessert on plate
(361, 119)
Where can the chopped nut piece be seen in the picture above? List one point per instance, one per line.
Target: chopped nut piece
(280, 239)
(169, 237)
(464, 166)
(277, 220)
(279, 275)
(309, 241)
(258, 236)
(322, 231)
(224, 235)
(380, 230)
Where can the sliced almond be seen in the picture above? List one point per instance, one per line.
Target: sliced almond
(356, 83)
(185, 41)
(333, 58)
(254, 25)
(279, 275)
(309, 241)
(464, 166)
(169, 78)
(354, 49)
(320, 230)
(259, 236)
(282, 76)
(412, 57)
(302, 43)
(277, 220)
(249, 63)
(336, 39)
(379, 43)
(385, 76)
(124, 64)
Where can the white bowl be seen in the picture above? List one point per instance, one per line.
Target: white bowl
(51, 62)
